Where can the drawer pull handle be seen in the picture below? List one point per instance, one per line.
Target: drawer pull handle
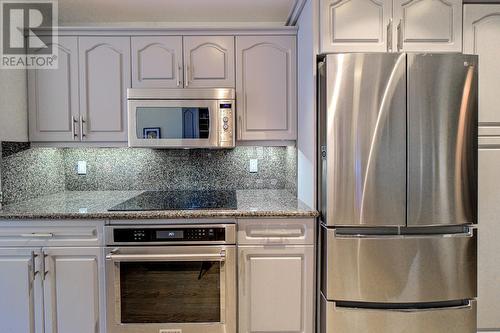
(276, 233)
(38, 235)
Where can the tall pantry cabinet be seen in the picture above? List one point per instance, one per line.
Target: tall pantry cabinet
(482, 37)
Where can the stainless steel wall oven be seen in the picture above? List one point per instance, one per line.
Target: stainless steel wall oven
(171, 279)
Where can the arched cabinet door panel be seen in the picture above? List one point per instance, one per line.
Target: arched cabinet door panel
(266, 88)
(104, 79)
(157, 62)
(481, 37)
(355, 25)
(209, 61)
(428, 25)
(53, 96)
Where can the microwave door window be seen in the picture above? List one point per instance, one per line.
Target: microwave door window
(173, 123)
(170, 292)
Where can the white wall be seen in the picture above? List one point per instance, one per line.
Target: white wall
(307, 41)
(13, 105)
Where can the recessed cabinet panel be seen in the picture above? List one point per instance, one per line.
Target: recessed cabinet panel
(354, 25)
(21, 291)
(428, 25)
(266, 87)
(157, 62)
(104, 79)
(481, 37)
(53, 96)
(72, 290)
(276, 289)
(209, 61)
(489, 247)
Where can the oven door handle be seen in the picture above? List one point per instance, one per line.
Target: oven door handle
(167, 257)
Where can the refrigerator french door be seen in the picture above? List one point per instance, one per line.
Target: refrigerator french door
(398, 192)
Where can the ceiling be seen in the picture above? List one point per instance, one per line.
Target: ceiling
(211, 12)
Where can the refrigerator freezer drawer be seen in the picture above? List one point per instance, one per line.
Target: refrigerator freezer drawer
(335, 319)
(399, 268)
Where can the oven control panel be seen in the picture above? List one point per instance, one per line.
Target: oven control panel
(137, 235)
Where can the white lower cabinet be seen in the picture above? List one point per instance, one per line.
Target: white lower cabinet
(72, 290)
(276, 275)
(51, 290)
(21, 289)
(276, 288)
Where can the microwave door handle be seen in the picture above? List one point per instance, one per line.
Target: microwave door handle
(167, 257)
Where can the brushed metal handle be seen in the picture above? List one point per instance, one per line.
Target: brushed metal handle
(298, 232)
(73, 127)
(242, 277)
(179, 73)
(82, 133)
(33, 270)
(44, 266)
(400, 35)
(167, 257)
(239, 127)
(187, 75)
(38, 235)
(389, 36)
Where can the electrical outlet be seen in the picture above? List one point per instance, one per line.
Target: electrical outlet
(254, 165)
(81, 168)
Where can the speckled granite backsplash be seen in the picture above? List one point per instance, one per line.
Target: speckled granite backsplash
(42, 171)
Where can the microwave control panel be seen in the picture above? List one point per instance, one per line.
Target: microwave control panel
(136, 235)
(226, 123)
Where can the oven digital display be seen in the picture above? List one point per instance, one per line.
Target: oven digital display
(169, 234)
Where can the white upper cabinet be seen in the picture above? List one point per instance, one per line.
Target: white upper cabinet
(355, 25)
(266, 87)
(157, 62)
(482, 37)
(428, 25)
(209, 61)
(104, 79)
(391, 25)
(53, 96)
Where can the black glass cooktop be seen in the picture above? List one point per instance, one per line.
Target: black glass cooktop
(179, 200)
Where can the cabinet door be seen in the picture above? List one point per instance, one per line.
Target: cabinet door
(72, 290)
(488, 245)
(104, 79)
(266, 87)
(21, 298)
(355, 25)
(209, 61)
(157, 62)
(428, 25)
(53, 96)
(481, 37)
(276, 289)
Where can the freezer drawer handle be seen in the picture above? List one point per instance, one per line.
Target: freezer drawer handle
(401, 308)
(38, 235)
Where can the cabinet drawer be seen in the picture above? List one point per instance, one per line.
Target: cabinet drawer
(276, 231)
(51, 233)
(460, 319)
(399, 269)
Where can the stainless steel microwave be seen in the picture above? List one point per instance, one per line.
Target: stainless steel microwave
(181, 118)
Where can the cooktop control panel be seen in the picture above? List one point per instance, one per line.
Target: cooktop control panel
(137, 235)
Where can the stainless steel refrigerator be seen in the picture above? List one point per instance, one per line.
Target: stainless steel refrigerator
(398, 193)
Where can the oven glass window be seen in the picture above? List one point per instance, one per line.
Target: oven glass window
(173, 123)
(170, 292)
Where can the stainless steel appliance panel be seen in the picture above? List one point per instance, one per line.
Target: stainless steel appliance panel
(154, 266)
(442, 139)
(362, 140)
(460, 319)
(399, 268)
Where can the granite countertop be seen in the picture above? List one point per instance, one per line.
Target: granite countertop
(95, 205)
